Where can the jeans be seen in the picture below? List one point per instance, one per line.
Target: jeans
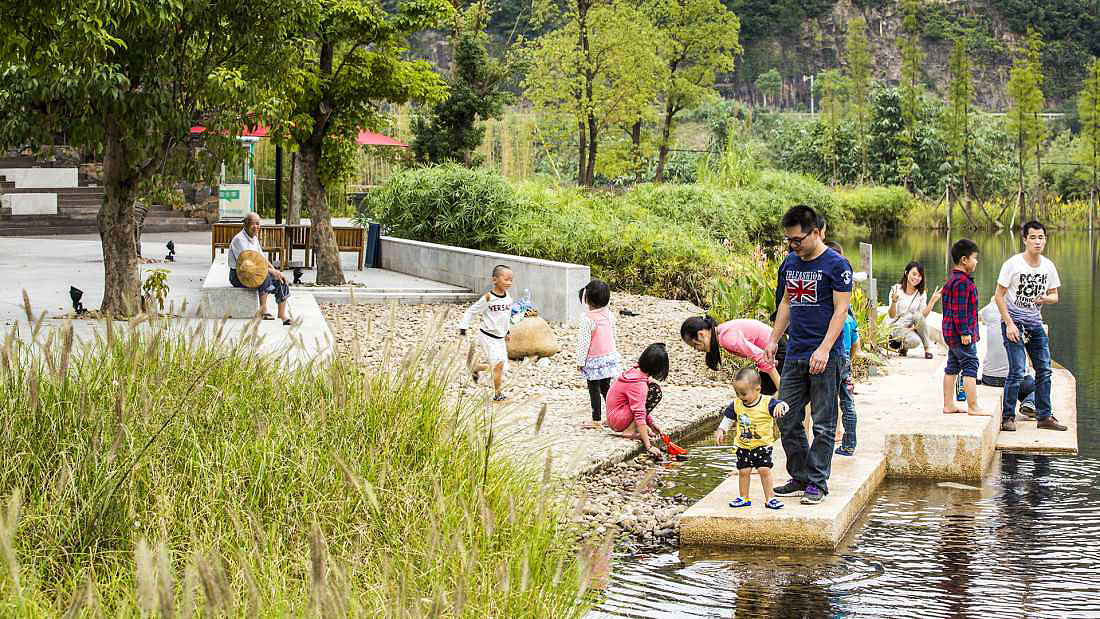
(964, 358)
(847, 407)
(809, 463)
(1038, 348)
(1027, 388)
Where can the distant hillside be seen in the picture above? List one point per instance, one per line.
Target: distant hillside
(804, 36)
(800, 37)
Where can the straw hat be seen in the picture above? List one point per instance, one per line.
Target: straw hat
(251, 269)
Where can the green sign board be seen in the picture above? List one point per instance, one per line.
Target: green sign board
(230, 194)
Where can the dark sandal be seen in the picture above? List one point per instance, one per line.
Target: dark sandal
(928, 355)
(287, 321)
(267, 317)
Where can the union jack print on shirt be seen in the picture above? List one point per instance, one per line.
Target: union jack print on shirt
(802, 290)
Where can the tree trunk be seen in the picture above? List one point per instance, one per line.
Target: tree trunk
(636, 149)
(294, 202)
(121, 275)
(590, 170)
(327, 257)
(582, 152)
(1038, 173)
(666, 135)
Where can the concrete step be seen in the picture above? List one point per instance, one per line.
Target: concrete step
(94, 191)
(352, 294)
(17, 162)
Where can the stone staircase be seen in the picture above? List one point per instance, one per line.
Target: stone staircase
(77, 209)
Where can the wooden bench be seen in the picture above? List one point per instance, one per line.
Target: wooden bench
(273, 240)
(298, 237)
(348, 238)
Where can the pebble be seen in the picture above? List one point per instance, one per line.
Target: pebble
(642, 518)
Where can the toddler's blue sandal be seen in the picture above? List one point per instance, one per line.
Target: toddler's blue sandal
(740, 502)
(774, 504)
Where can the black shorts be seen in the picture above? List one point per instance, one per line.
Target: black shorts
(755, 458)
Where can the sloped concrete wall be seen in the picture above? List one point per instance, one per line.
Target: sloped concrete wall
(553, 285)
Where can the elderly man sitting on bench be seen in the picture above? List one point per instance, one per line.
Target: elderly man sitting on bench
(248, 239)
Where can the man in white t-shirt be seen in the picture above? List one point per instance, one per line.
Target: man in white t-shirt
(248, 239)
(1027, 282)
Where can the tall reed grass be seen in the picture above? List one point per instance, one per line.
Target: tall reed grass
(155, 471)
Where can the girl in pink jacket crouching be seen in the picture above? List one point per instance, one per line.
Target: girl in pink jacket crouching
(633, 396)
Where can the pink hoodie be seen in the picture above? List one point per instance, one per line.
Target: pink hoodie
(626, 400)
(746, 338)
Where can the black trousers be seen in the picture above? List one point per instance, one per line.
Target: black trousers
(597, 389)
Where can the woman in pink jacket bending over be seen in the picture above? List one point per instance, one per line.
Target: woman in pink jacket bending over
(633, 396)
(744, 337)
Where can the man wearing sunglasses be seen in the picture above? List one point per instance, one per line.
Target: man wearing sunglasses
(817, 288)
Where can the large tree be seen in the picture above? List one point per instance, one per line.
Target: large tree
(960, 97)
(911, 88)
(352, 64)
(859, 79)
(599, 69)
(450, 130)
(769, 83)
(129, 79)
(702, 40)
(1024, 89)
(1088, 108)
(833, 88)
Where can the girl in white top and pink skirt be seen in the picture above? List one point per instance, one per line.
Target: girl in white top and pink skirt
(597, 358)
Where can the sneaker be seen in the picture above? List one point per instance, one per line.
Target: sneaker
(740, 502)
(813, 495)
(845, 451)
(791, 488)
(1027, 409)
(499, 397)
(1050, 423)
(774, 503)
(1008, 425)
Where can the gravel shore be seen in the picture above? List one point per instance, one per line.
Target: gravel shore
(615, 492)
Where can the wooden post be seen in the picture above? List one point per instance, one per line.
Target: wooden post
(865, 264)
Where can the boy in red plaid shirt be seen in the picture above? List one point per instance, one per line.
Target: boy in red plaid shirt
(960, 328)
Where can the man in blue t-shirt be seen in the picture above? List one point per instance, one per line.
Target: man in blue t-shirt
(817, 289)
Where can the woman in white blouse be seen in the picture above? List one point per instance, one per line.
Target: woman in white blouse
(909, 307)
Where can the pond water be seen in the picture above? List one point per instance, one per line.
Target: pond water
(1026, 543)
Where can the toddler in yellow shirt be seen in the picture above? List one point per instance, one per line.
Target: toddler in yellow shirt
(754, 416)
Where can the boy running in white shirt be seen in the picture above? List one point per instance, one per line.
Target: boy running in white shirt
(495, 309)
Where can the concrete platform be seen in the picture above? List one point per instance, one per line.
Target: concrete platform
(1027, 438)
(713, 522)
(902, 432)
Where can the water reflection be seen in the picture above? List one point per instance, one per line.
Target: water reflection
(1023, 544)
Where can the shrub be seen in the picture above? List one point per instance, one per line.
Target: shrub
(626, 245)
(446, 204)
(251, 490)
(717, 211)
(880, 208)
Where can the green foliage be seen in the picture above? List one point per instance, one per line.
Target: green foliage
(625, 245)
(769, 83)
(859, 76)
(449, 130)
(147, 457)
(1088, 110)
(881, 208)
(749, 292)
(701, 41)
(609, 80)
(447, 204)
(1024, 88)
(156, 286)
(960, 97)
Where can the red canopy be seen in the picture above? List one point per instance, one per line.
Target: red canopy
(365, 137)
